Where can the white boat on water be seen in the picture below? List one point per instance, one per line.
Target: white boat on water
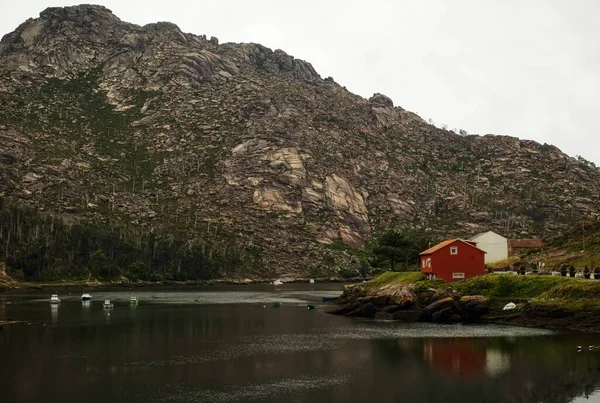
(277, 282)
(107, 304)
(312, 281)
(133, 300)
(54, 299)
(86, 297)
(509, 307)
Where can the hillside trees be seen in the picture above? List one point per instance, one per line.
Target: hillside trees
(39, 247)
(398, 250)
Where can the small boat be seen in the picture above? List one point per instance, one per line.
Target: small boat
(133, 300)
(86, 297)
(107, 304)
(329, 299)
(312, 281)
(277, 282)
(54, 299)
(310, 307)
(509, 307)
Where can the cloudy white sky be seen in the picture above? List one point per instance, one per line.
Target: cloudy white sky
(529, 69)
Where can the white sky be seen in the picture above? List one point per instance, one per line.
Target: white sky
(529, 69)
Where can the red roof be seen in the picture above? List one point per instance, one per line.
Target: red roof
(442, 245)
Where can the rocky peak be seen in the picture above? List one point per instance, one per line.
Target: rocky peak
(383, 113)
(95, 23)
(381, 101)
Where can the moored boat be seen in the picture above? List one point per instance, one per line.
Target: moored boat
(107, 304)
(86, 297)
(133, 300)
(54, 299)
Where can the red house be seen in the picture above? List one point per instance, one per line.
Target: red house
(453, 260)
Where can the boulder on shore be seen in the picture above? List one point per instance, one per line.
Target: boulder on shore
(400, 302)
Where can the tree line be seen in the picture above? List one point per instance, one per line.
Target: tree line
(398, 251)
(392, 250)
(42, 247)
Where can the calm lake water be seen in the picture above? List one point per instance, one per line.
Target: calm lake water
(230, 344)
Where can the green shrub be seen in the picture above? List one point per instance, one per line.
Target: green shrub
(505, 286)
(347, 273)
(137, 271)
(17, 274)
(364, 267)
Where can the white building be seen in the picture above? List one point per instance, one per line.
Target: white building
(495, 246)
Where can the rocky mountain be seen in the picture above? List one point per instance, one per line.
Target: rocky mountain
(107, 122)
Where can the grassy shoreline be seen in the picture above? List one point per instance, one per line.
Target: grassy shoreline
(543, 301)
(551, 291)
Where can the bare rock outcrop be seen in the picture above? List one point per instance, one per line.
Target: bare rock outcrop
(349, 206)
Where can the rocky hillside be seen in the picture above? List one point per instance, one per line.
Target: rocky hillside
(153, 129)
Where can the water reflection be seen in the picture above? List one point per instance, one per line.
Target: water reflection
(465, 358)
(459, 358)
(496, 362)
(244, 352)
(54, 313)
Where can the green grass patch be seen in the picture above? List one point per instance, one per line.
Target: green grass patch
(426, 285)
(503, 263)
(573, 294)
(391, 277)
(560, 292)
(506, 285)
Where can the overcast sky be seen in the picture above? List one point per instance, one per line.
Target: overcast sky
(529, 69)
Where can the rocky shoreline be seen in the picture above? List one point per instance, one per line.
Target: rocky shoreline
(547, 317)
(412, 303)
(405, 303)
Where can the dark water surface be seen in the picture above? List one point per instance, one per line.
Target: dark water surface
(230, 344)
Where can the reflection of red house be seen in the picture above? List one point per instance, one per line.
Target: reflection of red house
(456, 357)
(453, 260)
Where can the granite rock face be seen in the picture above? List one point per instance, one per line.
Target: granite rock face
(106, 121)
